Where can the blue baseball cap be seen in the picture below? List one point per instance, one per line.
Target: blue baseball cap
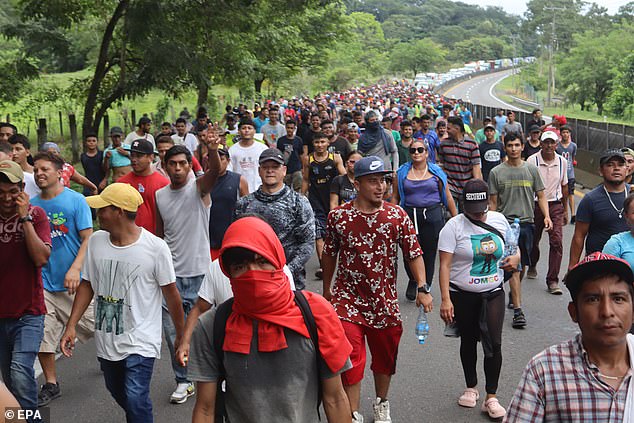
(368, 166)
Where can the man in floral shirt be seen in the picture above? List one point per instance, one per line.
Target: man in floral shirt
(367, 232)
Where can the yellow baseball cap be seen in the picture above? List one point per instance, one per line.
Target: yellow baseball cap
(123, 196)
(12, 170)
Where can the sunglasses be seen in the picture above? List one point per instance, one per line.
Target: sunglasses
(419, 150)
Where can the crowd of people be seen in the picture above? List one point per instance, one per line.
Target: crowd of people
(205, 230)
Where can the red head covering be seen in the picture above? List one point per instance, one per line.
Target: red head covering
(265, 295)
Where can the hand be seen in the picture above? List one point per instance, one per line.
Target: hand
(425, 300)
(120, 150)
(67, 344)
(565, 217)
(446, 311)
(212, 140)
(182, 354)
(548, 224)
(510, 263)
(22, 204)
(109, 153)
(94, 190)
(103, 184)
(71, 281)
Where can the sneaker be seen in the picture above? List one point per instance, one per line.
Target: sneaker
(519, 320)
(182, 392)
(48, 392)
(531, 273)
(411, 291)
(493, 408)
(356, 417)
(381, 411)
(318, 273)
(572, 219)
(469, 398)
(554, 289)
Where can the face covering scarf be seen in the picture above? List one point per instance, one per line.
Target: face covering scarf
(265, 296)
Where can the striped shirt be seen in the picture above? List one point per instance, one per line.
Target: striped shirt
(560, 384)
(458, 159)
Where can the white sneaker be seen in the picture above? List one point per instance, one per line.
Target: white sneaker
(182, 392)
(356, 417)
(381, 411)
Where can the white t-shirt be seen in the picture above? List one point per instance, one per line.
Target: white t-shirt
(216, 289)
(272, 133)
(244, 160)
(127, 283)
(476, 252)
(132, 136)
(30, 187)
(185, 228)
(189, 140)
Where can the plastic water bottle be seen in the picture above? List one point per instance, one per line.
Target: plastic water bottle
(422, 327)
(511, 239)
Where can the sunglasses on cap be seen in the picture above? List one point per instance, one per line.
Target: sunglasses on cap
(419, 150)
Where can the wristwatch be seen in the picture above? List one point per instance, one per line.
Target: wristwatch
(27, 218)
(424, 289)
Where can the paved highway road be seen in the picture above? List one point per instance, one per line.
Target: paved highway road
(480, 90)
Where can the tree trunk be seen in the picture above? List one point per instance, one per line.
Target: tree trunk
(89, 124)
(600, 107)
(258, 85)
(203, 94)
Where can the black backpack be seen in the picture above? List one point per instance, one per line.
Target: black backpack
(220, 322)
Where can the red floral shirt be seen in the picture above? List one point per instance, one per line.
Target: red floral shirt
(364, 291)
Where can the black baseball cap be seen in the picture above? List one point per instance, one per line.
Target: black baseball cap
(596, 264)
(611, 154)
(223, 150)
(476, 196)
(271, 154)
(142, 146)
(115, 130)
(534, 128)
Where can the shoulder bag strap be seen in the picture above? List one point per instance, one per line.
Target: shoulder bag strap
(311, 325)
(485, 226)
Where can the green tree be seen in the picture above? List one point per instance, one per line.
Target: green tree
(621, 101)
(590, 66)
(419, 56)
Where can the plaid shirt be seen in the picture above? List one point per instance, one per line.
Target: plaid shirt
(560, 384)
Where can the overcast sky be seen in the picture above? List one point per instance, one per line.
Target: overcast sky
(518, 7)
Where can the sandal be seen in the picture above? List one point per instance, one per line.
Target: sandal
(493, 408)
(469, 398)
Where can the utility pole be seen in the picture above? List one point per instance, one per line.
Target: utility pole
(551, 54)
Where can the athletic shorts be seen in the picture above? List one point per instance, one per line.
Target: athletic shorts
(320, 224)
(527, 233)
(571, 187)
(383, 344)
(58, 308)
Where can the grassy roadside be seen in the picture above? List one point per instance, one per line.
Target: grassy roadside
(508, 88)
(25, 113)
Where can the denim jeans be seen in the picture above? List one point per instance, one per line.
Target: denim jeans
(128, 381)
(188, 288)
(19, 344)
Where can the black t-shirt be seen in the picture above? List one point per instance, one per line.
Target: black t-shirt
(596, 209)
(292, 149)
(529, 150)
(340, 146)
(321, 175)
(308, 139)
(342, 186)
(93, 168)
(491, 156)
